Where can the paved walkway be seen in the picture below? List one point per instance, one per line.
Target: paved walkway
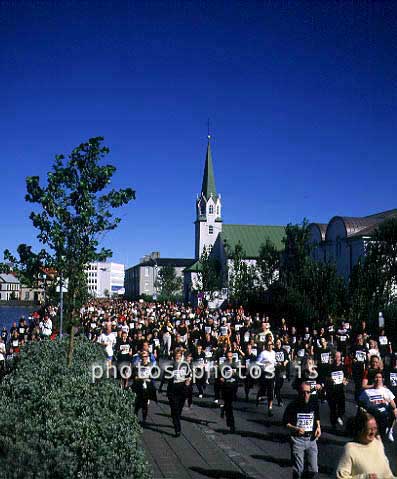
(258, 450)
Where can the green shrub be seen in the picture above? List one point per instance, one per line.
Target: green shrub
(56, 423)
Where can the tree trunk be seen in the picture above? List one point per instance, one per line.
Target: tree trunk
(71, 346)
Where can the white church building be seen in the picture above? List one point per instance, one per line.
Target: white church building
(219, 238)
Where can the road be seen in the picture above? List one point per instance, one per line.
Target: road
(258, 450)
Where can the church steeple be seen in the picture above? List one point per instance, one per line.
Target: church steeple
(208, 187)
(208, 208)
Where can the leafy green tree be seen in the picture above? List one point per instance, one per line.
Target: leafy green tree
(242, 278)
(307, 290)
(209, 276)
(268, 264)
(296, 252)
(169, 283)
(372, 286)
(73, 213)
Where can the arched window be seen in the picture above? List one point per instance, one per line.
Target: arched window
(211, 210)
(210, 229)
(217, 210)
(202, 209)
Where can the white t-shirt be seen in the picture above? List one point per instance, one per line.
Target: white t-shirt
(377, 396)
(109, 340)
(267, 360)
(46, 327)
(2, 351)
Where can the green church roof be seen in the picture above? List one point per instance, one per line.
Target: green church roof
(194, 268)
(252, 237)
(208, 186)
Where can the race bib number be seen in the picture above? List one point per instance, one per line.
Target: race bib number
(235, 357)
(22, 331)
(179, 375)
(305, 421)
(307, 336)
(342, 338)
(246, 337)
(222, 360)
(279, 356)
(325, 358)
(125, 348)
(337, 377)
(301, 353)
(254, 351)
(156, 342)
(262, 338)
(383, 340)
(223, 331)
(312, 386)
(393, 379)
(360, 356)
(330, 329)
(207, 329)
(208, 353)
(237, 327)
(15, 343)
(144, 372)
(287, 347)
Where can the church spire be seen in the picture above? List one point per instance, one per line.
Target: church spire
(208, 185)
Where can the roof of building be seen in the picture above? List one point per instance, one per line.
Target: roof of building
(252, 237)
(175, 262)
(8, 278)
(322, 227)
(194, 268)
(208, 187)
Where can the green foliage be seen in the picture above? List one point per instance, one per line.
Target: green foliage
(268, 264)
(242, 278)
(57, 424)
(372, 282)
(209, 278)
(168, 283)
(71, 218)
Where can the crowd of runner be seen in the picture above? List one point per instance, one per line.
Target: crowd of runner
(156, 347)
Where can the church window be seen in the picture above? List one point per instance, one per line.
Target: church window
(202, 209)
(211, 210)
(217, 210)
(211, 230)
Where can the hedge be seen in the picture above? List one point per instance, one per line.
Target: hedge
(56, 423)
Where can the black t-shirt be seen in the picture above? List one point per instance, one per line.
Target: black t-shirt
(303, 415)
(337, 374)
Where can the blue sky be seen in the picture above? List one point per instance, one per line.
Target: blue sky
(302, 99)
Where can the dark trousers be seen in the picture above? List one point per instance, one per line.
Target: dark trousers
(337, 405)
(141, 402)
(217, 389)
(177, 400)
(266, 388)
(278, 384)
(228, 394)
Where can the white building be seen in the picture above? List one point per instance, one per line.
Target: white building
(105, 279)
(9, 287)
(221, 239)
(343, 240)
(141, 279)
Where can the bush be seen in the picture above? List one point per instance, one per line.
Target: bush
(56, 423)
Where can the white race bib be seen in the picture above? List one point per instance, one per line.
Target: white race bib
(337, 377)
(360, 356)
(305, 421)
